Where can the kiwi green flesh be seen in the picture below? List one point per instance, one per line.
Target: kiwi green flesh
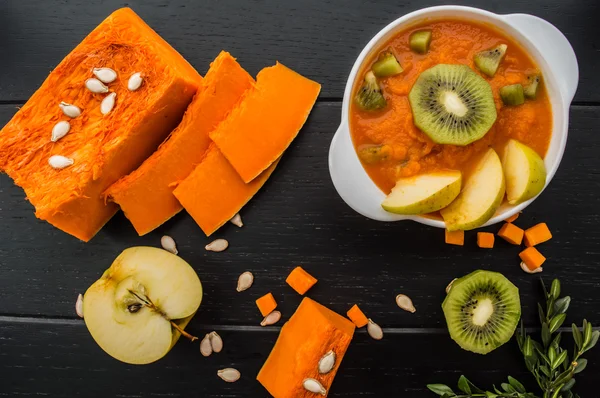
(419, 41)
(530, 89)
(452, 104)
(369, 97)
(387, 65)
(491, 300)
(512, 95)
(489, 60)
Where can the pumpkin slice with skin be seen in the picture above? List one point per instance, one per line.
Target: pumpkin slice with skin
(146, 195)
(103, 147)
(310, 333)
(260, 129)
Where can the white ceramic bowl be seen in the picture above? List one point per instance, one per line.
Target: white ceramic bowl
(550, 50)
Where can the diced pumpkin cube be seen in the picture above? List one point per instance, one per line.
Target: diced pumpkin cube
(310, 333)
(103, 147)
(300, 280)
(532, 258)
(455, 237)
(485, 240)
(146, 195)
(511, 233)
(537, 234)
(513, 218)
(266, 304)
(357, 316)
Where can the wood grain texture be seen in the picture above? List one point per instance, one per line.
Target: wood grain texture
(319, 38)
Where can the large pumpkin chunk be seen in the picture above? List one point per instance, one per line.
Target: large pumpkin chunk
(146, 195)
(103, 147)
(310, 333)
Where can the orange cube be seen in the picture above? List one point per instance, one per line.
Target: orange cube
(511, 233)
(485, 240)
(266, 304)
(455, 238)
(357, 316)
(300, 280)
(537, 234)
(532, 258)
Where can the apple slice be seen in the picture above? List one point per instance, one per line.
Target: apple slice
(481, 196)
(139, 307)
(524, 171)
(424, 193)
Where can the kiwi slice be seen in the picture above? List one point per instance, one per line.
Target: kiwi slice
(419, 41)
(452, 104)
(531, 88)
(369, 97)
(488, 61)
(386, 65)
(482, 311)
(512, 95)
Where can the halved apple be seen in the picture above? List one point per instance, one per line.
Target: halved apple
(424, 193)
(481, 196)
(139, 307)
(524, 171)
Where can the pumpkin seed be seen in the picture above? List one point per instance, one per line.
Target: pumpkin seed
(59, 130)
(230, 375)
(405, 303)
(168, 244)
(59, 162)
(525, 268)
(206, 346)
(217, 245)
(327, 362)
(135, 81)
(105, 75)
(108, 103)
(245, 281)
(96, 86)
(79, 306)
(69, 110)
(271, 319)
(216, 342)
(450, 285)
(237, 220)
(315, 386)
(374, 330)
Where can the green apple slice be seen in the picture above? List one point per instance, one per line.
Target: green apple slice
(481, 196)
(137, 310)
(524, 171)
(424, 193)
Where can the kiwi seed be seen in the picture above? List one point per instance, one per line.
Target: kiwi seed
(489, 60)
(369, 97)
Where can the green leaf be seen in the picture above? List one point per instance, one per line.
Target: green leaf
(516, 385)
(541, 314)
(581, 364)
(562, 305)
(568, 385)
(593, 341)
(556, 342)
(557, 392)
(544, 287)
(587, 333)
(577, 336)
(528, 347)
(559, 360)
(555, 289)
(545, 370)
(507, 387)
(551, 354)
(545, 334)
(463, 385)
(440, 389)
(542, 355)
(491, 395)
(557, 322)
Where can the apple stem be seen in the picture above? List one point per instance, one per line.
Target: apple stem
(183, 332)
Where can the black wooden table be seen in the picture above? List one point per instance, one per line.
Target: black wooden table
(297, 218)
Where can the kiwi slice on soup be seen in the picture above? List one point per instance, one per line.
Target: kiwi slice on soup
(369, 97)
(489, 60)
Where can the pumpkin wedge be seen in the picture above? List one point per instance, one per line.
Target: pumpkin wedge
(98, 148)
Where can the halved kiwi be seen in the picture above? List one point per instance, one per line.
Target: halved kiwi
(369, 97)
(489, 60)
(530, 89)
(452, 104)
(419, 41)
(386, 65)
(512, 95)
(482, 311)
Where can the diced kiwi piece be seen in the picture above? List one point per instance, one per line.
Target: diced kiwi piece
(372, 153)
(452, 104)
(512, 95)
(419, 41)
(531, 88)
(386, 65)
(482, 311)
(369, 97)
(488, 61)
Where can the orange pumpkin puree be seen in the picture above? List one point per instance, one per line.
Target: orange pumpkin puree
(453, 42)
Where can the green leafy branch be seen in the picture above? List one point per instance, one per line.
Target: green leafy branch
(512, 389)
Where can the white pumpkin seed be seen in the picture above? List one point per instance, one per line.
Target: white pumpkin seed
(79, 306)
(271, 319)
(135, 81)
(525, 268)
(168, 244)
(108, 103)
(237, 220)
(405, 303)
(217, 245)
(216, 342)
(70, 110)
(450, 285)
(245, 281)
(205, 346)
(374, 330)
(96, 86)
(59, 130)
(315, 386)
(105, 75)
(327, 363)
(230, 375)
(59, 162)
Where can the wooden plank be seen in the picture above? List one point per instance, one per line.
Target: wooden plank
(318, 38)
(61, 360)
(298, 218)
